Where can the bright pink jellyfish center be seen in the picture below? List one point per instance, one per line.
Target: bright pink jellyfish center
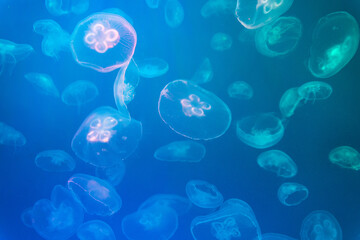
(100, 131)
(194, 107)
(101, 39)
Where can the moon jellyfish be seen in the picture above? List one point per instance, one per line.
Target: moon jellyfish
(315, 90)
(292, 194)
(279, 37)
(61, 7)
(103, 42)
(345, 157)
(203, 194)
(204, 73)
(278, 162)
(221, 42)
(174, 13)
(152, 3)
(27, 217)
(55, 161)
(240, 90)
(152, 67)
(181, 151)
(9, 136)
(256, 13)
(289, 101)
(217, 7)
(95, 230)
(59, 218)
(234, 220)
(79, 93)
(106, 137)
(276, 236)
(113, 174)
(179, 204)
(320, 225)
(43, 84)
(335, 42)
(260, 131)
(97, 196)
(193, 112)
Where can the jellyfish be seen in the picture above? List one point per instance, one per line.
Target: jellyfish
(113, 174)
(97, 196)
(260, 131)
(27, 217)
(95, 230)
(43, 84)
(79, 93)
(152, 3)
(9, 136)
(204, 73)
(103, 42)
(106, 137)
(174, 13)
(217, 7)
(257, 13)
(279, 37)
(315, 90)
(278, 162)
(320, 224)
(221, 41)
(240, 90)
(152, 67)
(203, 194)
(179, 204)
(345, 157)
(62, 7)
(181, 151)
(55, 39)
(55, 161)
(234, 220)
(193, 112)
(292, 194)
(289, 102)
(276, 236)
(335, 42)
(119, 12)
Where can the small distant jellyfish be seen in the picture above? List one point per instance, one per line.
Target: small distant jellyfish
(27, 217)
(292, 194)
(203, 194)
(193, 112)
(9, 136)
(279, 37)
(97, 196)
(174, 13)
(43, 84)
(181, 205)
(79, 93)
(315, 90)
(152, 3)
(257, 13)
(113, 174)
(278, 162)
(221, 42)
(204, 73)
(240, 90)
(260, 131)
(55, 161)
(276, 236)
(335, 42)
(103, 42)
(95, 230)
(320, 224)
(181, 151)
(217, 7)
(289, 102)
(345, 157)
(152, 67)
(62, 7)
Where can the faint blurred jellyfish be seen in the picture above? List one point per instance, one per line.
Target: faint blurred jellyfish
(278, 162)
(181, 151)
(79, 93)
(279, 37)
(315, 90)
(61, 7)
(217, 7)
(106, 137)
(221, 41)
(152, 67)
(257, 13)
(203, 194)
(320, 225)
(27, 217)
(174, 13)
(95, 230)
(55, 39)
(97, 196)
(240, 90)
(292, 194)
(55, 161)
(345, 157)
(335, 42)
(234, 220)
(103, 42)
(260, 131)
(193, 112)
(289, 101)
(204, 73)
(179, 204)
(276, 236)
(152, 3)
(113, 174)
(119, 12)
(43, 84)
(10, 136)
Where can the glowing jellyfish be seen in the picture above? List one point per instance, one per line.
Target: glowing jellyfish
(61, 7)
(234, 220)
(59, 218)
(79, 93)
(103, 42)
(203, 194)
(174, 13)
(27, 217)
(257, 13)
(279, 37)
(43, 84)
(315, 90)
(320, 225)
(95, 230)
(278, 162)
(335, 42)
(179, 204)
(152, 3)
(181, 151)
(113, 174)
(55, 161)
(276, 236)
(289, 101)
(260, 131)
(345, 157)
(240, 90)
(9, 136)
(204, 73)
(292, 194)
(97, 196)
(193, 112)
(217, 7)
(152, 67)
(221, 41)
(106, 137)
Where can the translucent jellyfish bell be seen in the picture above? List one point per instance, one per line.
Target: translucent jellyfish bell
(276, 236)
(55, 161)
(152, 67)
(95, 230)
(203, 194)
(43, 83)
(79, 93)
(204, 73)
(103, 42)
(345, 157)
(278, 162)
(240, 90)
(174, 13)
(181, 205)
(221, 42)
(193, 112)
(315, 90)
(292, 194)
(27, 217)
(217, 7)
(152, 3)
(9, 136)
(289, 101)
(61, 7)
